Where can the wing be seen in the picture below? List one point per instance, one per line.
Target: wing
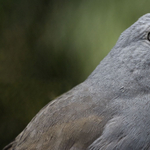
(113, 137)
(129, 129)
(72, 121)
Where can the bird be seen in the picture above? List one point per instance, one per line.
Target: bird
(110, 110)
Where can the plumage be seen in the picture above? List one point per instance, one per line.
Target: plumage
(109, 111)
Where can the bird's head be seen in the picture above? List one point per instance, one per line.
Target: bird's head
(133, 50)
(138, 33)
(129, 61)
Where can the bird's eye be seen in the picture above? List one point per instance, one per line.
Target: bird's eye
(148, 36)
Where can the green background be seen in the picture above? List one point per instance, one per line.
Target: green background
(49, 46)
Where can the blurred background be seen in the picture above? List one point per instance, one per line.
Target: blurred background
(49, 46)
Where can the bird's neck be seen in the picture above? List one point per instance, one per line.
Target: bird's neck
(112, 78)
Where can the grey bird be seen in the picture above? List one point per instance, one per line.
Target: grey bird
(110, 110)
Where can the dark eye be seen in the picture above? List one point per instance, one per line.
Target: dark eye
(148, 36)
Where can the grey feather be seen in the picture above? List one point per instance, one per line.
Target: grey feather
(110, 110)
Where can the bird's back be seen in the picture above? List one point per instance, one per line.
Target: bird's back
(72, 121)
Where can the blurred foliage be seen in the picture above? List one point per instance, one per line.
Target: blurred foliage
(49, 46)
